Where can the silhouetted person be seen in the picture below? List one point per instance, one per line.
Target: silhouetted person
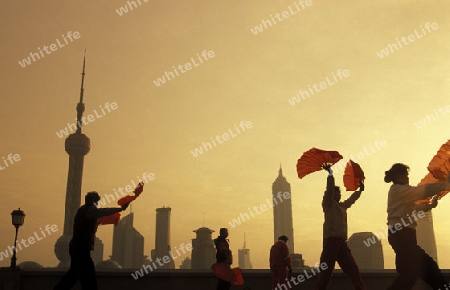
(223, 255)
(82, 243)
(335, 246)
(280, 263)
(411, 261)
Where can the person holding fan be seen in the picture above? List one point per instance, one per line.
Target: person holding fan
(335, 246)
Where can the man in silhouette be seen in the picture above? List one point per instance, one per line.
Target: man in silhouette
(82, 243)
(335, 246)
(223, 255)
(280, 262)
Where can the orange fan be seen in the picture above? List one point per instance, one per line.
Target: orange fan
(224, 272)
(110, 219)
(439, 166)
(313, 159)
(352, 175)
(129, 198)
(429, 178)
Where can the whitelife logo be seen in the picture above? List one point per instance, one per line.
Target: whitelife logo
(317, 88)
(411, 38)
(36, 56)
(225, 137)
(243, 217)
(107, 198)
(90, 118)
(10, 160)
(284, 15)
(184, 68)
(433, 117)
(161, 261)
(398, 226)
(124, 9)
(31, 240)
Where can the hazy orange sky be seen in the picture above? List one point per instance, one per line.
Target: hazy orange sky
(243, 76)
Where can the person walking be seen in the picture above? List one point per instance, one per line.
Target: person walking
(280, 263)
(82, 243)
(335, 246)
(223, 255)
(411, 261)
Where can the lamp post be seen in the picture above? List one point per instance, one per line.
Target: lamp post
(18, 217)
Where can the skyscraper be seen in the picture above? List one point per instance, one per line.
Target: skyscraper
(186, 264)
(367, 255)
(128, 244)
(244, 257)
(282, 210)
(162, 237)
(425, 235)
(77, 145)
(203, 251)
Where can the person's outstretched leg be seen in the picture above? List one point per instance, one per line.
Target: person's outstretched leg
(68, 280)
(407, 259)
(349, 267)
(328, 256)
(88, 278)
(73, 274)
(430, 272)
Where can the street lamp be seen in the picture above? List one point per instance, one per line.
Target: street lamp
(18, 217)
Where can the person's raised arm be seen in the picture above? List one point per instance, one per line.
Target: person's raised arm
(354, 197)
(330, 189)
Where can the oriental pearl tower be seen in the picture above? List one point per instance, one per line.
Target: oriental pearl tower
(77, 145)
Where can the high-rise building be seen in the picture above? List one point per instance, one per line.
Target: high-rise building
(128, 244)
(368, 255)
(425, 235)
(77, 145)
(297, 261)
(203, 254)
(186, 263)
(162, 237)
(244, 257)
(282, 210)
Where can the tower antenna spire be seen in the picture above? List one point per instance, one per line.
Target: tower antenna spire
(82, 77)
(80, 105)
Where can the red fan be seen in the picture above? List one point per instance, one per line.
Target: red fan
(224, 272)
(429, 178)
(110, 219)
(313, 159)
(126, 199)
(129, 198)
(139, 188)
(352, 175)
(439, 166)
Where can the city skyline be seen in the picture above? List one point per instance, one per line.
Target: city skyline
(335, 76)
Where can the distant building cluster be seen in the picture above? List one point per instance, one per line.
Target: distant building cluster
(128, 243)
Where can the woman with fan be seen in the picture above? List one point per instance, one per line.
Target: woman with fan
(411, 260)
(335, 246)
